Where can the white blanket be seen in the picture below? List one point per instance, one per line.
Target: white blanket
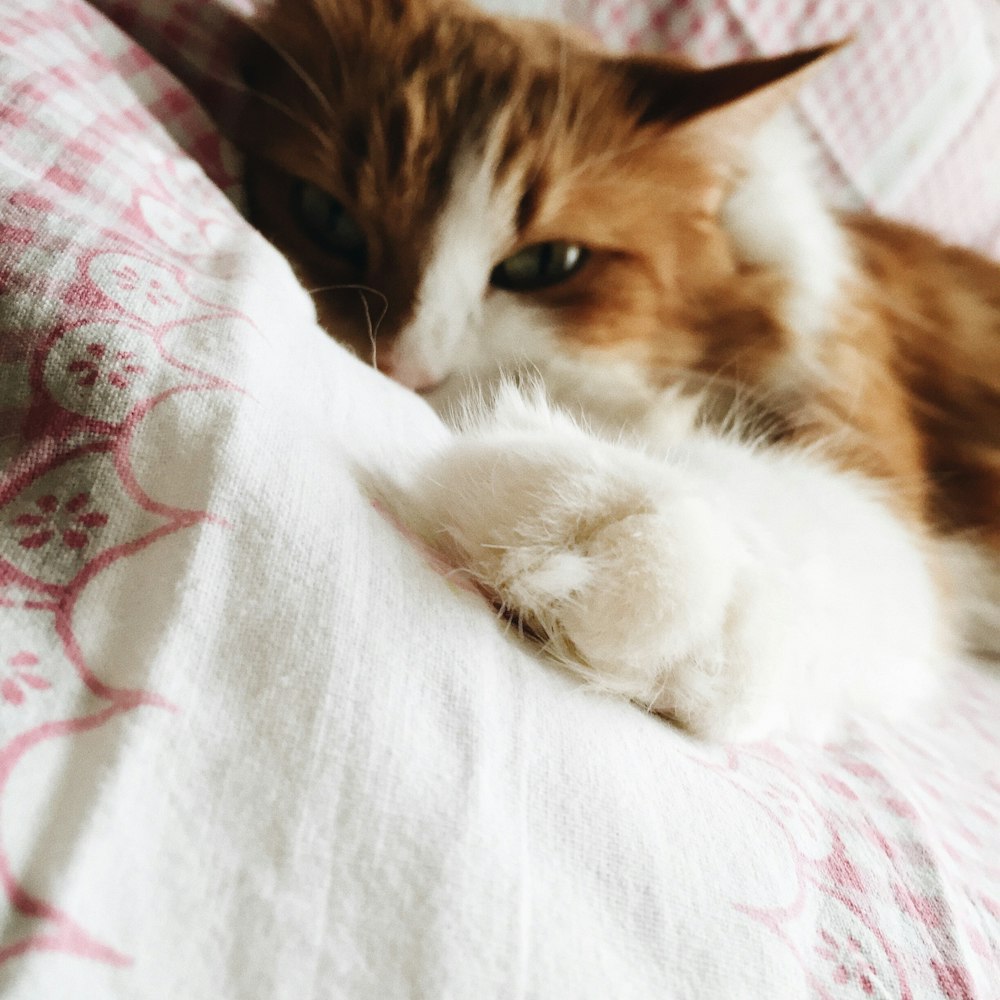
(254, 747)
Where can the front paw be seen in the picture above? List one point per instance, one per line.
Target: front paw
(626, 585)
(615, 559)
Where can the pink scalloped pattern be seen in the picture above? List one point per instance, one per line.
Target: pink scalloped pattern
(893, 837)
(95, 310)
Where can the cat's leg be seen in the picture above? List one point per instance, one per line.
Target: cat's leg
(737, 590)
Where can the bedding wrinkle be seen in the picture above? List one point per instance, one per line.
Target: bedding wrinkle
(77, 795)
(527, 743)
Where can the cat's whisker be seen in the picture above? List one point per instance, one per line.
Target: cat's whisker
(826, 398)
(553, 135)
(351, 286)
(620, 153)
(235, 84)
(727, 404)
(561, 90)
(342, 63)
(321, 137)
(373, 328)
(296, 67)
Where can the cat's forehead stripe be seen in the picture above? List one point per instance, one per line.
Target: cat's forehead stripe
(476, 224)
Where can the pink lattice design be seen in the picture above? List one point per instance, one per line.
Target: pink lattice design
(102, 268)
(955, 199)
(194, 39)
(893, 838)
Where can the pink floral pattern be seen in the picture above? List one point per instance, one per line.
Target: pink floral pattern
(21, 677)
(848, 960)
(120, 370)
(897, 878)
(96, 307)
(70, 521)
(113, 262)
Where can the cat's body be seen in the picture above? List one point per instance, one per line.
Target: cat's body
(786, 500)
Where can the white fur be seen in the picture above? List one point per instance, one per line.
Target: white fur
(737, 590)
(475, 225)
(464, 334)
(463, 331)
(777, 219)
(974, 583)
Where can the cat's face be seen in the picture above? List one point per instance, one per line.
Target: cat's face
(473, 191)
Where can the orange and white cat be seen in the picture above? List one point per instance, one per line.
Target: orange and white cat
(741, 457)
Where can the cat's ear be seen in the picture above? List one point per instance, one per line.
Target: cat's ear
(666, 92)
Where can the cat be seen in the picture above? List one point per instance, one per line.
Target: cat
(740, 461)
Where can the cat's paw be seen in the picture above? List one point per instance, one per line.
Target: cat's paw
(617, 560)
(626, 581)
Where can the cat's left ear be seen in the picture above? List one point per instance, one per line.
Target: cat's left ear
(663, 91)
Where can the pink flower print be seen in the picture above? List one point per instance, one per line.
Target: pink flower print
(849, 961)
(87, 367)
(70, 521)
(123, 376)
(118, 370)
(20, 676)
(156, 294)
(129, 280)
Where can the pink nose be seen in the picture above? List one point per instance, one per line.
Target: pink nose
(412, 376)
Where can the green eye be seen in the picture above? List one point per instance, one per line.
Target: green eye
(327, 223)
(539, 266)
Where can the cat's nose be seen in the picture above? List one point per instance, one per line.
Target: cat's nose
(413, 376)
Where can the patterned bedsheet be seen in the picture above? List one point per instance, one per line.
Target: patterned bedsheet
(253, 746)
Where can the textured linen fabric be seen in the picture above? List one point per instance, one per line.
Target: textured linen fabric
(254, 747)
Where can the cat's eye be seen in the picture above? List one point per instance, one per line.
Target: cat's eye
(328, 224)
(539, 266)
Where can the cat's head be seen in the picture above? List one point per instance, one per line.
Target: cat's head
(475, 191)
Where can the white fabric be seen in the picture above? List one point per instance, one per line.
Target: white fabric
(254, 747)
(366, 788)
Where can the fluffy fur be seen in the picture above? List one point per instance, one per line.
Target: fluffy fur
(761, 486)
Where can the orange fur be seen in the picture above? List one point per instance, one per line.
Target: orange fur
(631, 158)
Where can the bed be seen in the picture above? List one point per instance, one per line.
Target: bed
(253, 744)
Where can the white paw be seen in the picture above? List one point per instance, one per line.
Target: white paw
(614, 558)
(734, 590)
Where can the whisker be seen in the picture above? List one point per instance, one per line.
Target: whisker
(334, 36)
(296, 67)
(239, 86)
(643, 141)
(551, 135)
(361, 289)
(315, 130)
(561, 91)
